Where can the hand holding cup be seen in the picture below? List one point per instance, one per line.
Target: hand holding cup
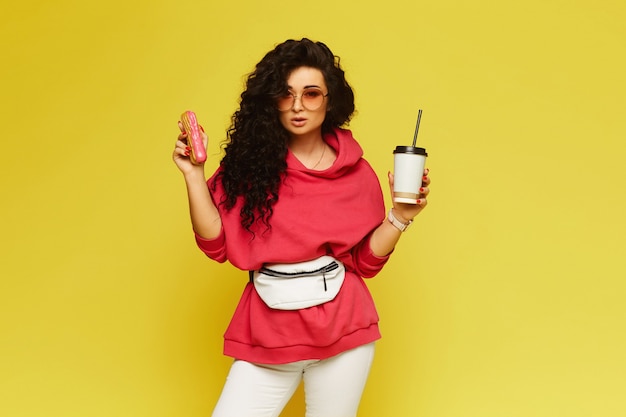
(407, 211)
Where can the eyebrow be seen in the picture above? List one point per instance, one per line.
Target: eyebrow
(306, 86)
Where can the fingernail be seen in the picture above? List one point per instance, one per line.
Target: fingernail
(188, 148)
(186, 153)
(421, 190)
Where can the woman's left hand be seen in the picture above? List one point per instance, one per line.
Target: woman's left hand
(405, 212)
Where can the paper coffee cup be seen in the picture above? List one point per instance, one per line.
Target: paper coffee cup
(408, 170)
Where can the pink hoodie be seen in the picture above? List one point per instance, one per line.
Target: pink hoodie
(330, 212)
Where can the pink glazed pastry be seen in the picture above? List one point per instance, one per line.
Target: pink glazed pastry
(194, 137)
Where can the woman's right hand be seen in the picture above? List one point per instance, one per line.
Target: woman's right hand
(182, 151)
(205, 217)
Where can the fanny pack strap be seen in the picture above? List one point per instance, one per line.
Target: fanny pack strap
(272, 273)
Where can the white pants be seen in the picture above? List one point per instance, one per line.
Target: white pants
(332, 387)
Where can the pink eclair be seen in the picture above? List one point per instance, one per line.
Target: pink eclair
(194, 137)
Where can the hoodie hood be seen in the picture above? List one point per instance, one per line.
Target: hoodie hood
(347, 149)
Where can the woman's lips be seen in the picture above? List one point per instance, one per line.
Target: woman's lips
(298, 121)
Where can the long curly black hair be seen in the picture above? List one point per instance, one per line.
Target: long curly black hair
(256, 144)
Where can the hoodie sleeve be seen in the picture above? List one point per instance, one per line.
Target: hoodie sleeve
(366, 263)
(213, 248)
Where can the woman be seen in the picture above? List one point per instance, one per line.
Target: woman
(291, 188)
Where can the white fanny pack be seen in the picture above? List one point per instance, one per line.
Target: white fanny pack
(299, 285)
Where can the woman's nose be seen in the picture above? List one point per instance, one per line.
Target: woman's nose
(297, 103)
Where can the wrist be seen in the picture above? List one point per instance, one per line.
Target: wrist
(400, 217)
(196, 173)
(398, 221)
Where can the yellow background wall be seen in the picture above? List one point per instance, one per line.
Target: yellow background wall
(505, 299)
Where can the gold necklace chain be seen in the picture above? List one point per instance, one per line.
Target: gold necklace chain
(321, 157)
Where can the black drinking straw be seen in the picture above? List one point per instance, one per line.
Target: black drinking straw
(417, 128)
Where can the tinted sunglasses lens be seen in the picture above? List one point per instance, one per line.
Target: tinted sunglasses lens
(285, 102)
(312, 99)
